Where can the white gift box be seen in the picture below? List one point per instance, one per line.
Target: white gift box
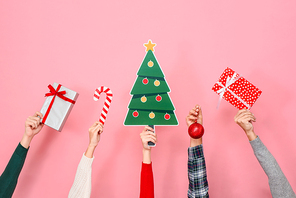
(57, 106)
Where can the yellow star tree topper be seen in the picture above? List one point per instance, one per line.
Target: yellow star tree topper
(149, 45)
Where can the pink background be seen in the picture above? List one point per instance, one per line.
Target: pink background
(86, 44)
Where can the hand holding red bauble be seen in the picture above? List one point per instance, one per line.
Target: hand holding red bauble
(196, 130)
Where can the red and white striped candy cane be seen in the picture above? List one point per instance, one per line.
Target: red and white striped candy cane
(108, 100)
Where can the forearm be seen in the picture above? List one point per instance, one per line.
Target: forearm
(146, 156)
(9, 177)
(26, 141)
(197, 174)
(251, 135)
(90, 151)
(195, 142)
(81, 187)
(278, 183)
(147, 183)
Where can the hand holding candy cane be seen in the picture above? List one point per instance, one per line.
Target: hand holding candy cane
(108, 100)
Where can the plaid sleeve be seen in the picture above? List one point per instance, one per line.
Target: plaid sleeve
(197, 174)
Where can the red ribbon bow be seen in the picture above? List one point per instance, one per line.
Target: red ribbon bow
(55, 93)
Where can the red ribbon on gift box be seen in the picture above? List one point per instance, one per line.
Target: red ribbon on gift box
(55, 93)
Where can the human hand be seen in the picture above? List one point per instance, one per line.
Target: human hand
(94, 138)
(32, 127)
(244, 119)
(195, 115)
(147, 135)
(94, 133)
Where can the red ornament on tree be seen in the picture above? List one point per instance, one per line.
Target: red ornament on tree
(196, 130)
(158, 98)
(145, 81)
(135, 114)
(167, 116)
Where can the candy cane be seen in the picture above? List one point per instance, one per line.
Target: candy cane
(108, 100)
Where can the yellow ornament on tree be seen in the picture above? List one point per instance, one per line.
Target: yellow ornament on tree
(151, 115)
(143, 99)
(156, 83)
(150, 64)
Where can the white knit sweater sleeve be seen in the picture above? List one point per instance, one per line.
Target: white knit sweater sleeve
(81, 187)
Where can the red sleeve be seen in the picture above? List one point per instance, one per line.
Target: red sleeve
(147, 185)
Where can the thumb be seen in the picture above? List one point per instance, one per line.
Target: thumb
(199, 117)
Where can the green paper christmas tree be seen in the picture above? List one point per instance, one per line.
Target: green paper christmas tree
(150, 104)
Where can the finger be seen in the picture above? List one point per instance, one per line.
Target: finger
(35, 119)
(148, 139)
(238, 114)
(193, 112)
(242, 111)
(101, 125)
(147, 128)
(245, 114)
(245, 118)
(96, 123)
(40, 125)
(31, 124)
(151, 135)
(101, 130)
(192, 118)
(38, 114)
(249, 117)
(147, 133)
(93, 126)
(199, 110)
(97, 129)
(241, 114)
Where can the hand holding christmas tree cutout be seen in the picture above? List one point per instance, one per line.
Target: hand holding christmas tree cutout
(150, 104)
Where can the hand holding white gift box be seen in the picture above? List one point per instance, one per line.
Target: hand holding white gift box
(57, 106)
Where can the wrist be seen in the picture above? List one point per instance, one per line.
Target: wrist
(90, 151)
(251, 135)
(146, 156)
(92, 145)
(195, 142)
(146, 150)
(26, 140)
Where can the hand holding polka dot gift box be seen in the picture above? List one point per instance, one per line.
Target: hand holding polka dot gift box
(236, 90)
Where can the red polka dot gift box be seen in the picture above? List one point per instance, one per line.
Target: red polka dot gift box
(236, 90)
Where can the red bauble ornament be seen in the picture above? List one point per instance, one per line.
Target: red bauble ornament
(145, 81)
(135, 114)
(158, 98)
(167, 116)
(196, 130)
